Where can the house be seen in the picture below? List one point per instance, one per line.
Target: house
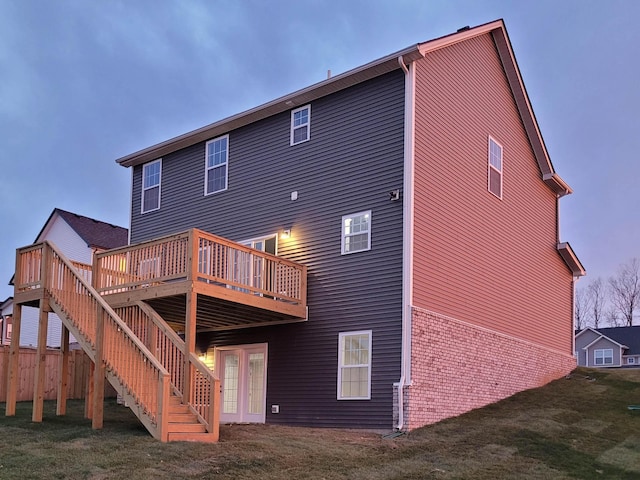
(378, 250)
(6, 309)
(79, 238)
(608, 347)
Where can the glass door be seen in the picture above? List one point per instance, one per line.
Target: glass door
(255, 267)
(242, 373)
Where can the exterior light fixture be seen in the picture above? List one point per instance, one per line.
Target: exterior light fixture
(285, 234)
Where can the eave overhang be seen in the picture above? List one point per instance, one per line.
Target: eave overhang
(301, 97)
(571, 259)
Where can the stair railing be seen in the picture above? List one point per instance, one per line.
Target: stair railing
(165, 344)
(142, 376)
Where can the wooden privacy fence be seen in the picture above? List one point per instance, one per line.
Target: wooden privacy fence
(79, 365)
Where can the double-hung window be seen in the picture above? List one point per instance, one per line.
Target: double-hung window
(495, 168)
(151, 176)
(356, 232)
(354, 365)
(603, 356)
(216, 165)
(300, 124)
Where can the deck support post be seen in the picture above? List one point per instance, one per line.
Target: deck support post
(99, 372)
(63, 380)
(38, 388)
(189, 342)
(88, 397)
(14, 366)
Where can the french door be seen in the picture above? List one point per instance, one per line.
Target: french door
(249, 269)
(243, 376)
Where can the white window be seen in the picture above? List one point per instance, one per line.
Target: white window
(495, 168)
(354, 365)
(356, 232)
(216, 165)
(151, 175)
(300, 124)
(603, 356)
(631, 360)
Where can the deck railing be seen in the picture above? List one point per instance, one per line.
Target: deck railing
(169, 349)
(125, 356)
(199, 256)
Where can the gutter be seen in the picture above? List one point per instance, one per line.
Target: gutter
(407, 234)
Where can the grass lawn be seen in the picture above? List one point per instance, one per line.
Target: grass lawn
(576, 427)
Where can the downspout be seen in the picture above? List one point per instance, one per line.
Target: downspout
(407, 235)
(131, 208)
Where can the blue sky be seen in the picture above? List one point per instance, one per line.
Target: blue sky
(84, 83)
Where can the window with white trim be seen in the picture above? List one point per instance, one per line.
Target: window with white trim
(356, 232)
(354, 365)
(300, 124)
(494, 176)
(216, 165)
(631, 360)
(151, 176)
(603, 356)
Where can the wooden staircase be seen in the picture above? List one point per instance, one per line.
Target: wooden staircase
(183, 423)
(167, 387)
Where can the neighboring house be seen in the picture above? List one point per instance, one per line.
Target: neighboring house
(6, 309)
(383, 252)
(79, 238)
(608, 347)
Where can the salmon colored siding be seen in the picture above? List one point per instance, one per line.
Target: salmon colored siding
(489, 262)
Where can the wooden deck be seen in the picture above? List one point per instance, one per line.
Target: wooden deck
(235, 286)
(125, 309)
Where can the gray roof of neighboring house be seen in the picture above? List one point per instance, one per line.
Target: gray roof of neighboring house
(97, 234)
(629, 336)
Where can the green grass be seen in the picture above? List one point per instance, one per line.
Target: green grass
(573, 428)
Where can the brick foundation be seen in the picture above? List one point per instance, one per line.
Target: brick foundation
(457, 366)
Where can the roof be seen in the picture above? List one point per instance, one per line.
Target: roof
(394, 61)
(95, 233)
(628, 337)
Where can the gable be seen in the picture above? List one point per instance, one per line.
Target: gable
(503, 270)
(60, 233)
(586, 337)
(603, 342)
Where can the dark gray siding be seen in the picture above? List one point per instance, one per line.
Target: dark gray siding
(352, 162)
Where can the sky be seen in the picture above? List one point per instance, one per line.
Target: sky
(83, 83)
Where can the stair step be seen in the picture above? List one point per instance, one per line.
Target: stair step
(186, 428)
(182, 418)
(176, 409)
(190, 437)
